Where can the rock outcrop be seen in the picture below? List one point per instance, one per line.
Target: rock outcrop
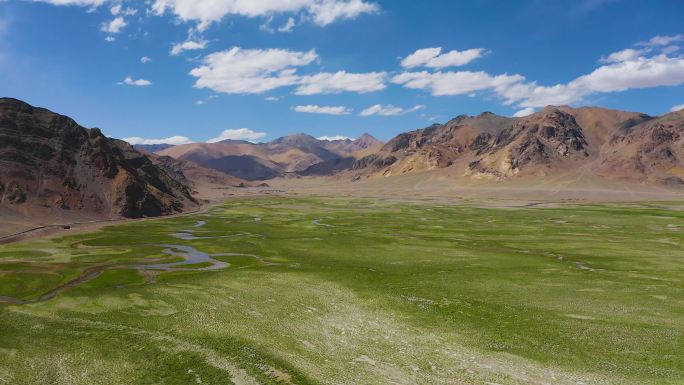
(558, 142)
(47, 160)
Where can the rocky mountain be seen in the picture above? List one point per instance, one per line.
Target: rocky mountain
(544, 141)
(561, 143)
(437, 146)
(556, 141)
(195, 176)
(240, 159)
(152, 148)
(49, 162)
(652, 150)
(293, 154)
(329, 167)
(363, 143)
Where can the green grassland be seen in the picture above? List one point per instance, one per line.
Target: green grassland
(346, 291)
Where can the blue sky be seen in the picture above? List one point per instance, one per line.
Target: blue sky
(260, 69)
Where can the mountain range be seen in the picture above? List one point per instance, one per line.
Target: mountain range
(557, 141)
(602, 143)
(50, 165)
(290, 155)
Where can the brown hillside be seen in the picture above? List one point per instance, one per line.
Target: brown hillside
(49, 162)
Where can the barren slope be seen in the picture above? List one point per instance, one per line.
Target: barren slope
(257, 161)
(556, 146)
(50, 164)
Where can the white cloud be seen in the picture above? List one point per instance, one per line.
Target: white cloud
(663, 40)
(334, 138)
(623, 70)
(206, 12)
(638, 73)
(266, 25)
(420, 57)
(188, 45)
(389, 110)
(455, 83)
(670, 49)
(206, 100)
(524, 112)
(253, 71)
(118, 9)
(114, 26)
(341, 81)
(136, 82)
(328, 11)
(174, 140)
(83, 3)
(624, 55)
(238, 134)
(677, 108)
(662, 44)
(630, 68)
(327, 110)
(110, 39)
(145, 60)
(129, 11)
(288, 26)
(434, 58)
(250, 71)
(271, 98)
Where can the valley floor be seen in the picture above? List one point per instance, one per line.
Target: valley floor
(306, 290)
(448, 184)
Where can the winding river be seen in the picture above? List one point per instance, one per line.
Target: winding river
(191, 256)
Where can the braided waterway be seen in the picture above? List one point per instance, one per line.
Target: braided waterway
(190, 255)
(193, 260)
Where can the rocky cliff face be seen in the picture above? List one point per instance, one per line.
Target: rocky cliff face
(437, 146)
(47, 160)
(650, 151)
(536, 144)
(556, 141)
